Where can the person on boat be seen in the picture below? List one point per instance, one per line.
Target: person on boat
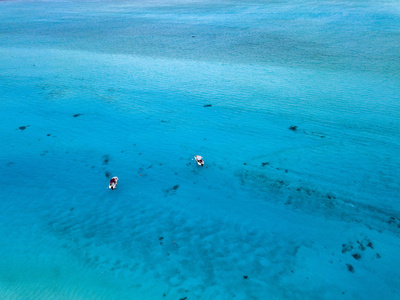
(113, 183)
(199, 160)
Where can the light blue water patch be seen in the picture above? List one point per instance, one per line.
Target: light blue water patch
(326, 34)
(298, 197)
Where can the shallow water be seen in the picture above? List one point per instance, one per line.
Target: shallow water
(92, 90)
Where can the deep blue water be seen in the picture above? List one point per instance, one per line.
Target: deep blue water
(93, 89)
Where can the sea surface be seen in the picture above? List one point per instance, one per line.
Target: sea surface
(294, 106)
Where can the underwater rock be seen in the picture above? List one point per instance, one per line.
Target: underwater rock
(207, 105)
(23, 127)
(184, 298)
(49, 134)
(293, 128)
(71, 209)
(77, 115)
(245, 277)
(350, 268)
(356, 256)
(160, 238)
(265, 164)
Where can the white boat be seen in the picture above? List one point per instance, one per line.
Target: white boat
(199, 160)
(113, 183)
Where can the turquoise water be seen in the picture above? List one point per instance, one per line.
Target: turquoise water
(93, 89)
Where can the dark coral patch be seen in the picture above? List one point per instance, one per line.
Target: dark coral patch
(346, 248)
(288, 201)
(350, 268)
(44, 153)
(293, 128)
(172, 189)
(356, 256)
(175, 187)
(106, 159)
(330, 196)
